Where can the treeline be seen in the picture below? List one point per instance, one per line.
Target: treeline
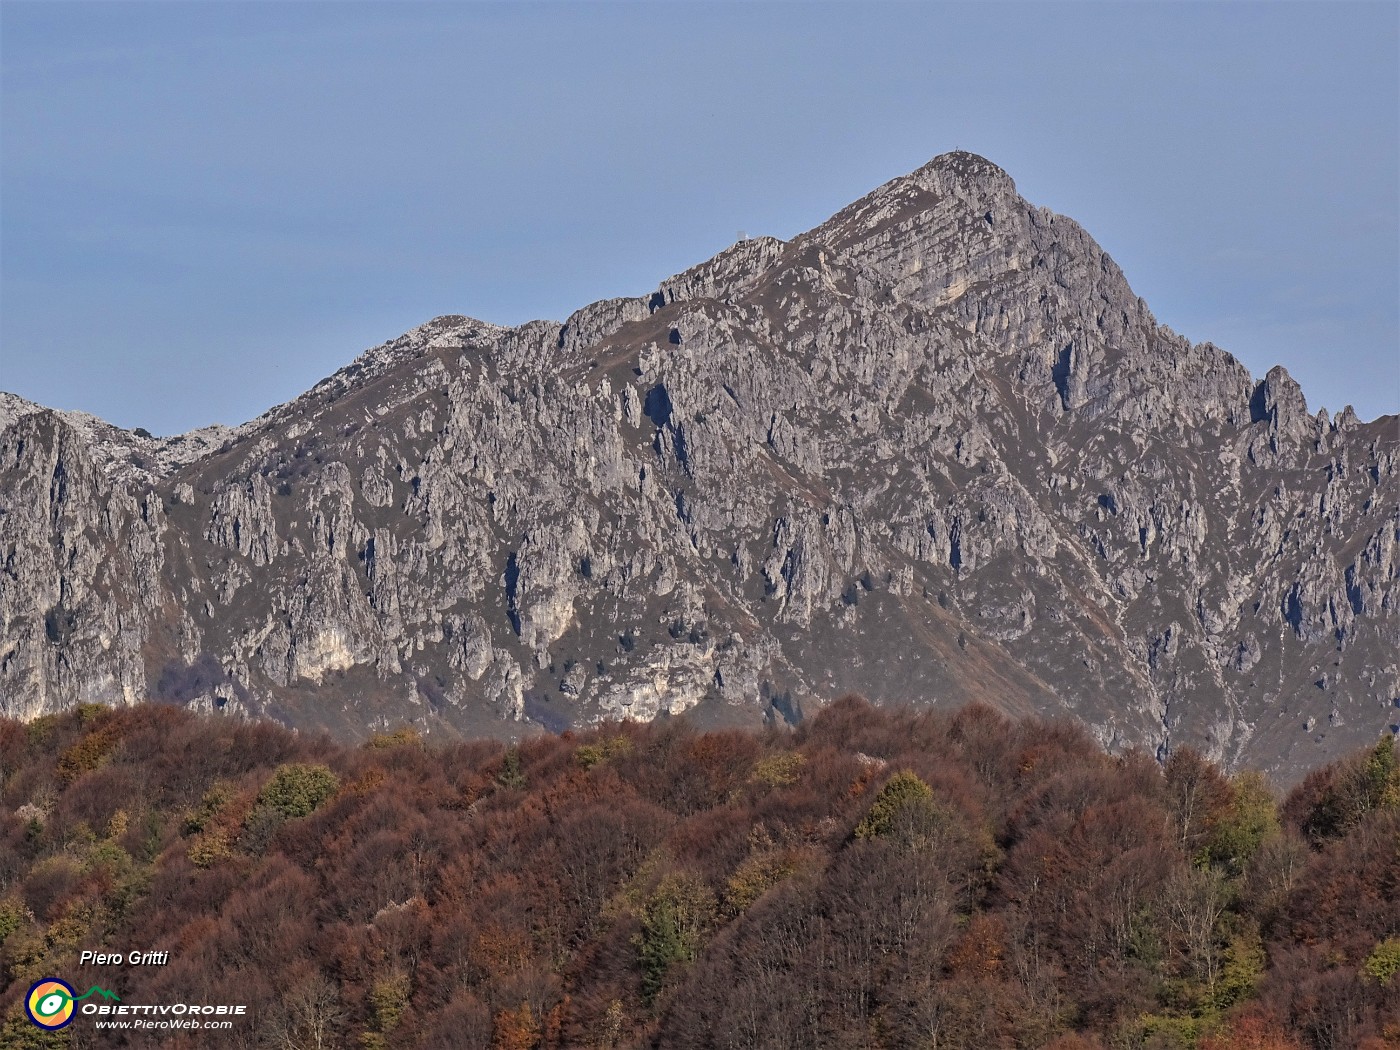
(872, 879)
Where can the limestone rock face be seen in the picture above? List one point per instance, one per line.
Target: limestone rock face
(934, 450)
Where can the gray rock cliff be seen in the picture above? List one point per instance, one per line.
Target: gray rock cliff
(934, 450)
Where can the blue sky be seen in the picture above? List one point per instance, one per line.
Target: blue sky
(205, 208)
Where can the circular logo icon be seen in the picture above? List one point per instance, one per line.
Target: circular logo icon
(49, 1003)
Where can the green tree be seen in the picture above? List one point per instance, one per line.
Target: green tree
(1384, 961)
(388, 1000)
(778, 770)
(295, 790)
(674, 921)
(511, 775)
(590, 755)
(902, 804)
(1243, 965)
(755, 877)
(1380, 777)
(18, 1033)
(1250, 820)
(213, 801)
(404, 736)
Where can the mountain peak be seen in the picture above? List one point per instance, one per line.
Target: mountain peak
(960, 165)
(933, 450)
(924, 206)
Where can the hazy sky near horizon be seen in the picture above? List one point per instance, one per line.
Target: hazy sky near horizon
(207, 207)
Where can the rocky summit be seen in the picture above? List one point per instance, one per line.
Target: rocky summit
(933, 451)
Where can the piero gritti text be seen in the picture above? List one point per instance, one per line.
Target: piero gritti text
(118, 959)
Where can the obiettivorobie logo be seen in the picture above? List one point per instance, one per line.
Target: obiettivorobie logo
(50, 1003)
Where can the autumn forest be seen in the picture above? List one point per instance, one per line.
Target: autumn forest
(872, 878)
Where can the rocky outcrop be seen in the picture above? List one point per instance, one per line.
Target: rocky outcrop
(934, 450)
